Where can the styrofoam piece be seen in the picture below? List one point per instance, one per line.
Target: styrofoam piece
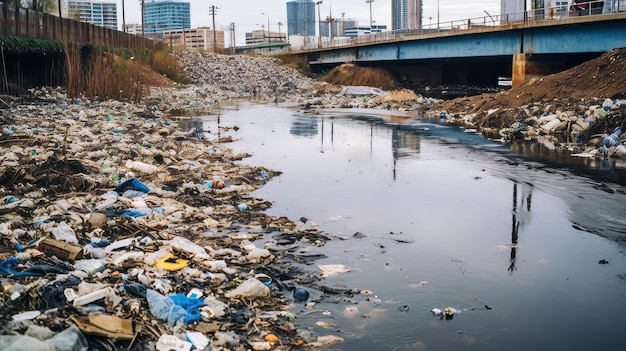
(198, 340)
(172, 343)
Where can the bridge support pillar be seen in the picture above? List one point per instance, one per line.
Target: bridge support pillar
(519, 69)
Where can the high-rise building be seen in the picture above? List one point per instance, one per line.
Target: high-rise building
(301, 18)
(338, 26)
(406, 14)
(165, 15)
(99, 12)
(513, 10)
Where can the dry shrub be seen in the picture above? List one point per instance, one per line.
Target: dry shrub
(164, 63)
(95, 72)
(298, 62)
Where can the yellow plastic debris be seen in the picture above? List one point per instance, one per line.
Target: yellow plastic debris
(169, 262)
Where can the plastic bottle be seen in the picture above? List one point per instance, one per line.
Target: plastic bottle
(141, 167)
(215, 184)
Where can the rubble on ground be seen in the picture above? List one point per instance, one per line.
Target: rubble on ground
(220, 78)
(583, 128)
(227, 77)
(122, 229)
(576, 110)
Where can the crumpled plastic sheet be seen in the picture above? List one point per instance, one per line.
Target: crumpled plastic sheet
(71, 339)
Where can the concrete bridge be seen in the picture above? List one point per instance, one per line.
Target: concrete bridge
(478, 54)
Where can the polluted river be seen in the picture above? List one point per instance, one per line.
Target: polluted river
(442, 239)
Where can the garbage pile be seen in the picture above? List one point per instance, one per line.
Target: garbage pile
(239, 76)
(120, 230)
(588, 129)
(264, 79)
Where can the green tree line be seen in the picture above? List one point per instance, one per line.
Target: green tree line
(48, 6)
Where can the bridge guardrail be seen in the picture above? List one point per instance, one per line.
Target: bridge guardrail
(25, 23)
(575, 9)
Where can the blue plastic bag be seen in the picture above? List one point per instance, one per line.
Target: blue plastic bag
(191, 305)
(164, 307)
(131, 184)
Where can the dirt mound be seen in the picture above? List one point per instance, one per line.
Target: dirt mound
(397, 96)
(603, 77)
(154, 79)
(351, 74)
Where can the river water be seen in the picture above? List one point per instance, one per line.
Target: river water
(523, 244)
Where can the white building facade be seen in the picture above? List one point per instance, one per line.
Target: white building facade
(100, 12)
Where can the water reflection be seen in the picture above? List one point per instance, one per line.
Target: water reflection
(405, 143)
(193, 124)
(520, 216)
(303, 126)
(606, 169)
(440, 204)
(332, 133)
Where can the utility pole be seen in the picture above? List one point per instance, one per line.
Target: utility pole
(330, 20)
(184, 36)
(371, 22)
(143, 25)
(232, 36)
(269, 34)
(212, 10)
(123, 17)
(438, 15)
(61, 20)
(319, 23)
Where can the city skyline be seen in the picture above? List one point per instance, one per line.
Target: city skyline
(249, 15)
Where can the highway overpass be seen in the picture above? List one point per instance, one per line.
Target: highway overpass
(470, 53)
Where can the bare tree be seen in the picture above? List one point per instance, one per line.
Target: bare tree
(48, 6)
(13, 2)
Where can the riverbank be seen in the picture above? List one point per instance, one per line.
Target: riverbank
(112, 211)
(139, 200)
(577, 109)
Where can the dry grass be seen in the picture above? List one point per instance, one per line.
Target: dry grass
(163, 63)
(297, 62)
(95, 72)
(124, 74)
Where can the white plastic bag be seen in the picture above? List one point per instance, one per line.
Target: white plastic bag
(250, 288)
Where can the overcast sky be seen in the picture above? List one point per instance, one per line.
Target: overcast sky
(248, 14)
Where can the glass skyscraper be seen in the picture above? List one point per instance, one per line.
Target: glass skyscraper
(301, 17)
(162, 15)
(406, 14)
